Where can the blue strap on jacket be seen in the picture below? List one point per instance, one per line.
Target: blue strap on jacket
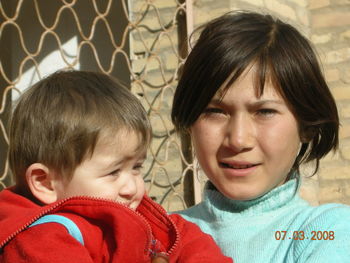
(71, 227)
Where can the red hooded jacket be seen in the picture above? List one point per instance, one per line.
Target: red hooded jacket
(111, 232)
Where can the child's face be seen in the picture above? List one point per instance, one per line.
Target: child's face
(113, 172)
(246, 144)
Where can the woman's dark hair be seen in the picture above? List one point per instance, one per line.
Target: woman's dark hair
(229, 44)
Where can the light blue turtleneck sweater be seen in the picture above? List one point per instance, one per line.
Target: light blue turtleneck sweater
(246, 230)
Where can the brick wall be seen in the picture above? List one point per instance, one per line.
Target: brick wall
(330, 32)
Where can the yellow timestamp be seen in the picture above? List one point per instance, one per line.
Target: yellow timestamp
(301, 235)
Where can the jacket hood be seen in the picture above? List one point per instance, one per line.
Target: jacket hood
(16, 213)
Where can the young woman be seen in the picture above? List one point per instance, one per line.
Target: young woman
(255, 102)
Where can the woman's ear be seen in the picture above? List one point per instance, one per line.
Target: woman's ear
(40, 182)
(307, 134)
(188, 131)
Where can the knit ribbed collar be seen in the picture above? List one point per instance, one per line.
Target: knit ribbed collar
(276, 198)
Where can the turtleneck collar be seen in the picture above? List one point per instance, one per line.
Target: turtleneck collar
(276, 198)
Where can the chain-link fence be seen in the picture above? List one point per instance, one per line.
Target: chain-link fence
(141, 42)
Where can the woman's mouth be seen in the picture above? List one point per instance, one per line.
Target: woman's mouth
(238, 169)
(233, 166)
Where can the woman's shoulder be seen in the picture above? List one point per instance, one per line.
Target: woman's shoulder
(331, 209)
(325, 235)
(329, 215)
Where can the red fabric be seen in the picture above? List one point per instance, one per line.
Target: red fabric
(111, 232)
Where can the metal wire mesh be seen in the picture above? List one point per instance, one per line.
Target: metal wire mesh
(137, 41)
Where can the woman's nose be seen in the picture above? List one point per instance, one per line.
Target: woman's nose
(240, 132)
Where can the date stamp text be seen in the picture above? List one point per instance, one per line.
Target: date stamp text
(301, 235)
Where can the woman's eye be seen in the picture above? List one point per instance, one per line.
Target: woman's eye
(266, 112)
(213, 111)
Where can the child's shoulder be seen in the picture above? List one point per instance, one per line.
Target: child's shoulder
(193, 214)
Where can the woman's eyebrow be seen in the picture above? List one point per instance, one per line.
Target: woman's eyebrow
(267, 101)
(219, 101)
(216, 101)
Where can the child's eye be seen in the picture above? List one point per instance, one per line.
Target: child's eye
(115, 172)
(138, 167)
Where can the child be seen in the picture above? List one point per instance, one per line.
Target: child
(77, 143)
(256, 105)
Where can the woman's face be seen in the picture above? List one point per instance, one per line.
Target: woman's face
(246, 144)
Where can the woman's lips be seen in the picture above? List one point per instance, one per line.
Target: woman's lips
(233, 169)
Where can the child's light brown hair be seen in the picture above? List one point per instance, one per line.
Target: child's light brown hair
(59, 120)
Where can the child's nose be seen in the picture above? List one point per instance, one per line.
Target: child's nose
(128, 188)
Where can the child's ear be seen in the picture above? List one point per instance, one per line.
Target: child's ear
(40, 182)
